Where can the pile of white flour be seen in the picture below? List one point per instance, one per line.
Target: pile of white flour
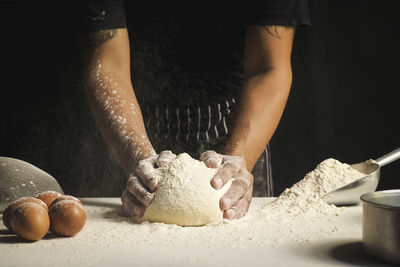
(306, 195)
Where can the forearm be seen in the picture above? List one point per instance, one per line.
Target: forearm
(117, 114)
(259, 111)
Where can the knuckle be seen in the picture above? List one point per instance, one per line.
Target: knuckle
(231, 165)
(147, 199)
(212, 162)
(224, 175)
(145, 174)
(131, 182)
(139, 192)
(162, 161)
(142, 162)
(164, 158)
(136, 187)
(167, 153)
(250, 178)
(143, 165)
(138, 211)
(224, 204)
(210, 153)
(249, 196)
(152, 184)
(202, 156)
(233, 197)
(140, 168)
(242, 182)
(131, 206)
(207, 154)
(146, 163)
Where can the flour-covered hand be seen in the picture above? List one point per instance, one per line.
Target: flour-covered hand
(141, 185)
(235, 203)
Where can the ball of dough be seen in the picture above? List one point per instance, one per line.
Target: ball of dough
(185, 196)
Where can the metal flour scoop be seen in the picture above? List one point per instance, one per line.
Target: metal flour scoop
(350, 193)
(20, 179)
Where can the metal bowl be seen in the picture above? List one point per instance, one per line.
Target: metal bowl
(381, 224)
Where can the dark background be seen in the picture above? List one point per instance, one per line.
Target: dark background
(343, 102)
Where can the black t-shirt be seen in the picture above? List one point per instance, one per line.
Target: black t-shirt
(189, 53)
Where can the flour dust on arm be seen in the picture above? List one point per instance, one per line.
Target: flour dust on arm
(112, 99)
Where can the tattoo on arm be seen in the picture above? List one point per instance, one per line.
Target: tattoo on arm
(273, 30)
(101, 37)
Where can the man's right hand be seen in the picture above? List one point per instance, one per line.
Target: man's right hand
(142, 184)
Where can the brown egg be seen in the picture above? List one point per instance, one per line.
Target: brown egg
(66, 197)
(30, 221)
(67, 217)
(48, 196)
(13, 205)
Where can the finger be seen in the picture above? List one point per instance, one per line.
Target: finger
(206, 154)
(238, 210)
(139, 191)
(228, 170)
(145, 171)
(164, 158)
(237, 190)
(124, 200)
(130, 206)
(150, 160)
(211, 159)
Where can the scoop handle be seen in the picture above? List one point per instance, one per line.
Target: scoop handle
(389, 157)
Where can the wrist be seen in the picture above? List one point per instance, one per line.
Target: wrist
(136, 154)
(245, 149)
(237, 142)
(234, 149)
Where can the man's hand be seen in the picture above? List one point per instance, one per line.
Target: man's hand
(235, 203)
(141, 185)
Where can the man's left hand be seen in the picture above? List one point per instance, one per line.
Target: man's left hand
(235, 203)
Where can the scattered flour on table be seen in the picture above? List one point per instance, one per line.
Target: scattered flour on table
(297, 216)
